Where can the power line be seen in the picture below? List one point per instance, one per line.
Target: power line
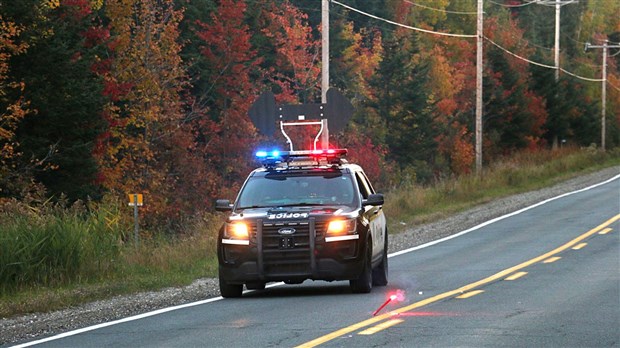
(555, 2)
(518, 56)
(480, 36)
(541, 64)
(580, 77)
(399, 24)
(574, 40)
(511, 6)
(538, 2)
(583, 42)
(468, 36)
(440, 10)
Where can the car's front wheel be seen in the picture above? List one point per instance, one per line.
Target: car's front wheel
(229, 290)
(380, 273)
(363, 284)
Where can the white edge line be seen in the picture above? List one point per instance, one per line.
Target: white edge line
(501, 218)
(102, 325)
(198, 303)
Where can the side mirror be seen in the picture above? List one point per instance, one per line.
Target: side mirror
(374, 199)
(223, 205)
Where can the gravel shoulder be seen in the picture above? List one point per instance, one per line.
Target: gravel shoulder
(31, 326)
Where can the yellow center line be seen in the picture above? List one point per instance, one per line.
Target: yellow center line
(516, 276)
(579, 246)
(470, 294)
(605, 231)
(502, 274)
(380, 327)
(552, 259)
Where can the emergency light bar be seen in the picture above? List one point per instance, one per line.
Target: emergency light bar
(271, 159)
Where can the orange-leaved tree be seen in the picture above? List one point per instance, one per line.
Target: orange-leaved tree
(447, 82)
(224, 134)
(297, 70)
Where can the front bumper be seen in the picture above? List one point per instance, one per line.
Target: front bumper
(335, 260)
(269, 256)
(327, 269)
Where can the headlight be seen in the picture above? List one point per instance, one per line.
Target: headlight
(237, 230)
(339, 227)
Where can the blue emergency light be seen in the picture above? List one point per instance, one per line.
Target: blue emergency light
(267, 154)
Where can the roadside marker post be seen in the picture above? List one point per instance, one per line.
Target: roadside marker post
(135, 201)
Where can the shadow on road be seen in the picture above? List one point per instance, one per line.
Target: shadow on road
(307, 288)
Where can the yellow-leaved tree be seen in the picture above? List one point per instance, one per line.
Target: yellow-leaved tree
(146, 141)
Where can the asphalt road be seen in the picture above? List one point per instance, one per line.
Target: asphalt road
(548, 276)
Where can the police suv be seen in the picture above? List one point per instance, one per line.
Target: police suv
(303, 215)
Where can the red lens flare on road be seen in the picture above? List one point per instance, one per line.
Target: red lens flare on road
(400, 295)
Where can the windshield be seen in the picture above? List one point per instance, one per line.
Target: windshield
(278, 190)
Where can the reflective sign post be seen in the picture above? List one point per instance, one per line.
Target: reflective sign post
(135, 200)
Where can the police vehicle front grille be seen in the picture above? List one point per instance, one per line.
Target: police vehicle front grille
(288, 253)
(321, 229)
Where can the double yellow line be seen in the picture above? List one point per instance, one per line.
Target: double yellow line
(456, 292)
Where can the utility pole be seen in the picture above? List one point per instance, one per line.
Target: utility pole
(324, 67)
(558, 5)
(605, 47)
(556, 47)
(479, 33)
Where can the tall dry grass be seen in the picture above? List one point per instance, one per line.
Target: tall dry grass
(413, 204)
(53, 256)
(50, 245)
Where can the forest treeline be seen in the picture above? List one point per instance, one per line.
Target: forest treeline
(101, 98)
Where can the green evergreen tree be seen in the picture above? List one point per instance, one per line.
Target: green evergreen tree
(64, 94)
(407, 108)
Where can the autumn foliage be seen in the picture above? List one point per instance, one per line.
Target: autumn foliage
(14, 108)
(101, 98)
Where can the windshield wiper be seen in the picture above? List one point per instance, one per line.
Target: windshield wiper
(299, 204)
(255, 207)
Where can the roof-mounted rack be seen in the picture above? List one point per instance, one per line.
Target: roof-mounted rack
(265, 112)
(306, 123)
(337, 109)
(303, 158)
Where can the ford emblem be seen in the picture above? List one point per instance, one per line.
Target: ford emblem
(286, 230)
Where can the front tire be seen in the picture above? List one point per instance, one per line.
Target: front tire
(363, 284)
(380, 273)
(229, 290)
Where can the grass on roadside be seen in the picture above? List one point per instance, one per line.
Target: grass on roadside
(521, 173)
(52, 258)
(182, 266)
